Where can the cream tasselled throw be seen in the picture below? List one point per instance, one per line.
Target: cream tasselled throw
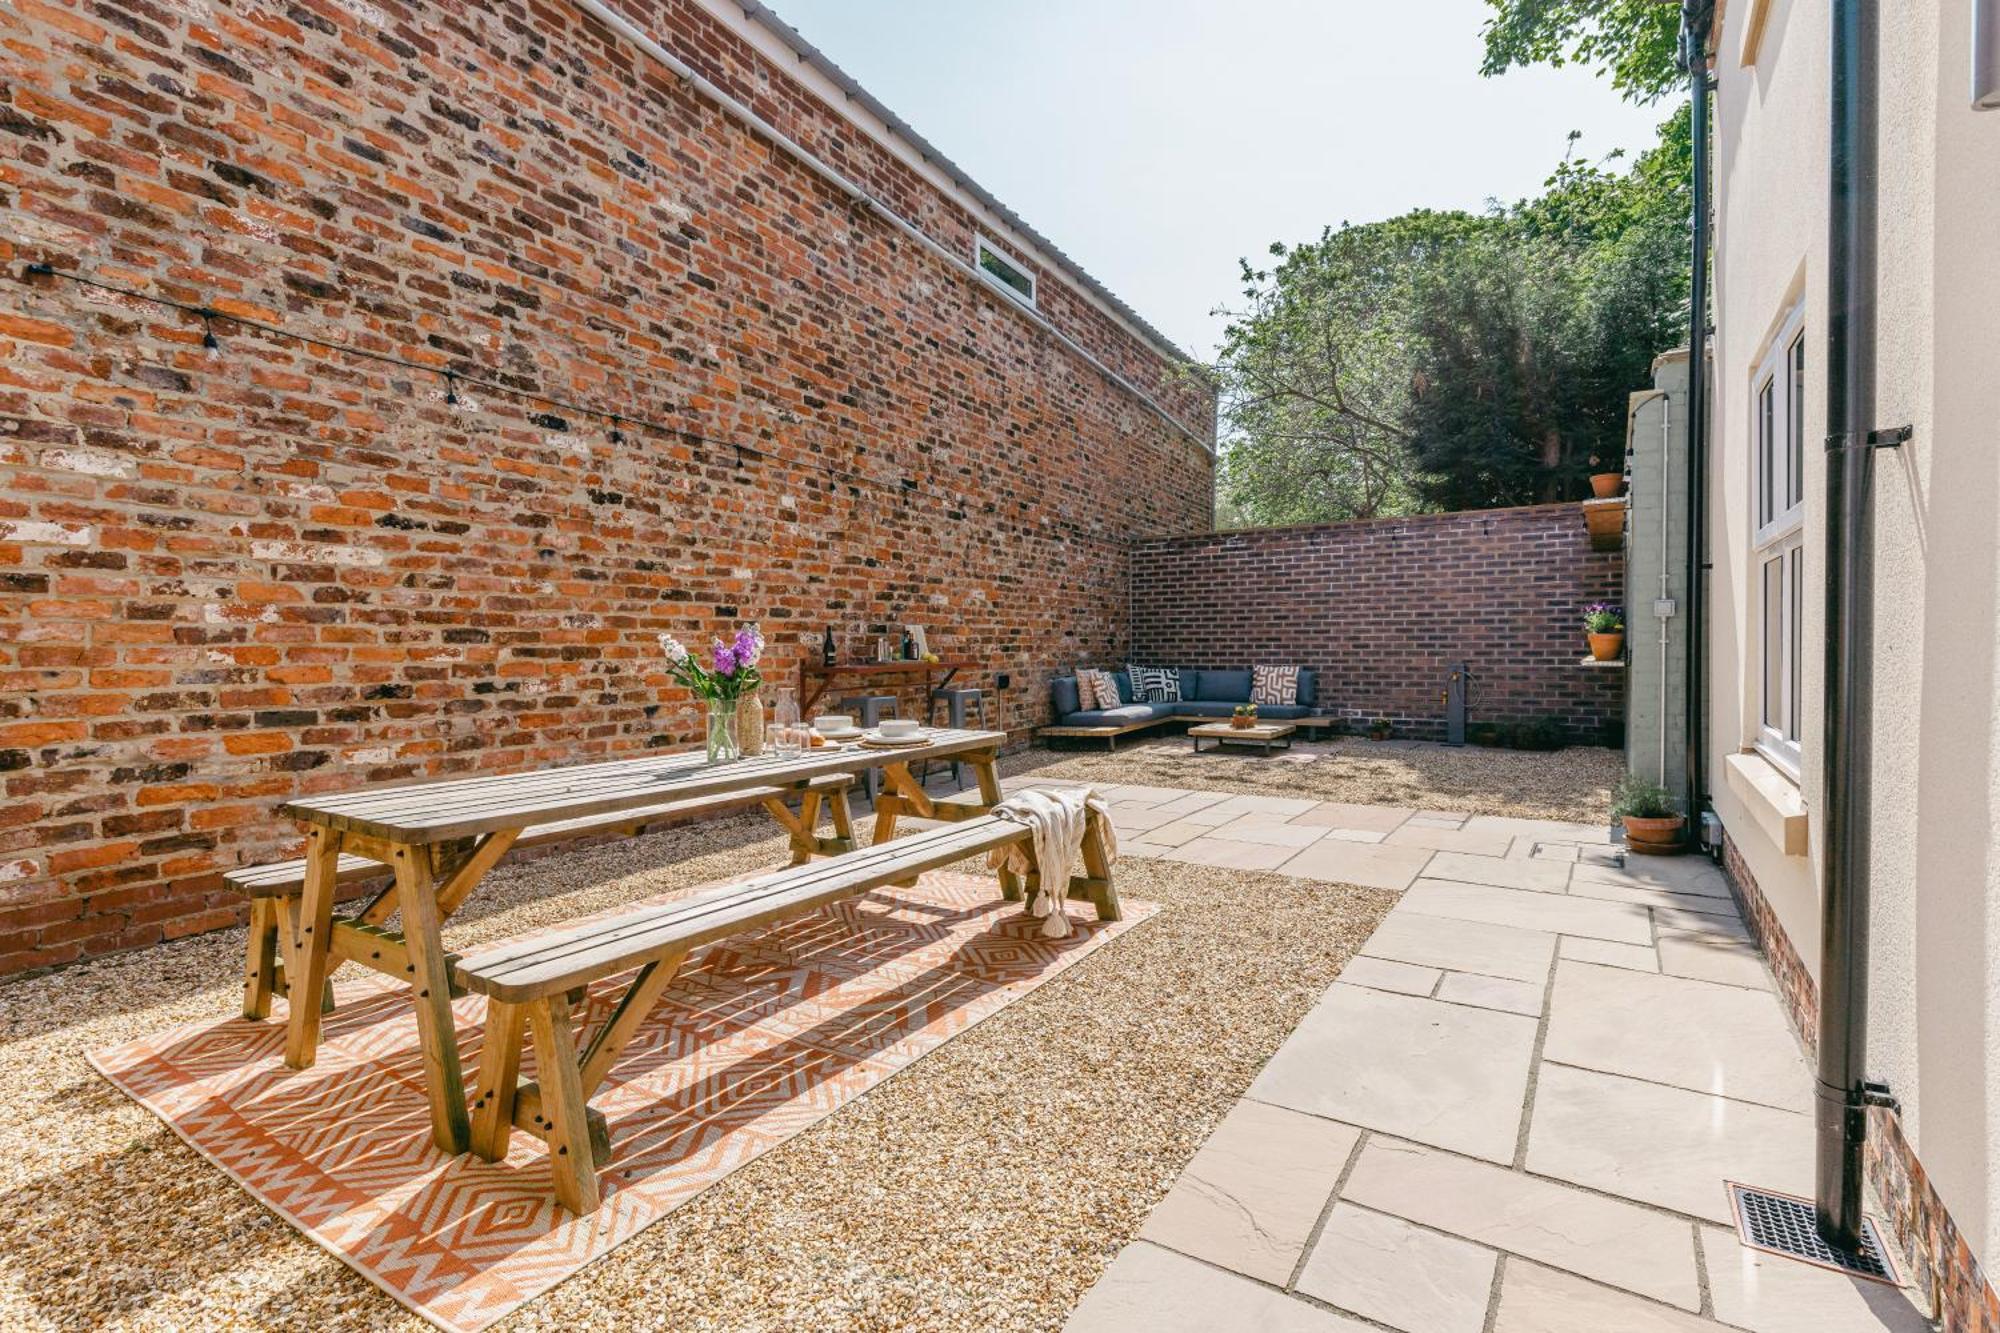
(1056, 819)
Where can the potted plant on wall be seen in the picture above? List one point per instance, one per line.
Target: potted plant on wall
(1605, 485)
(1604, 628)
(1652, 824)
(1378, 730)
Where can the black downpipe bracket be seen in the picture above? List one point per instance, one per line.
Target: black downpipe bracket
(1843, 1092)
(1697, 16)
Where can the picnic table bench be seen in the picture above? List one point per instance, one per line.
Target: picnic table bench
(439, 839)
(529, 984)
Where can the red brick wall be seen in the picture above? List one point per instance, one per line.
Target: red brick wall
(1381, 607)
(225, 580)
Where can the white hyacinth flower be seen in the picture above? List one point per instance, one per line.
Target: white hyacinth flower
(672, 648)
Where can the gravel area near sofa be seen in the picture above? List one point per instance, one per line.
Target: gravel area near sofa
(985, 1187)
(1562, 784)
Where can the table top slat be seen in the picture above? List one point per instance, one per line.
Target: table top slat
(467, 807)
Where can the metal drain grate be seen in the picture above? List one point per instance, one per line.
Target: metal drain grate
(1784, 1224)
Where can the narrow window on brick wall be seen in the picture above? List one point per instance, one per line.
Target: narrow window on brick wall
(1778, 553)
(1004, 271)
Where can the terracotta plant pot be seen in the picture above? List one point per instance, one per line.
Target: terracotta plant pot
(1606, 485)
(1606, 647)
(1654, 837)
(1605, 521)
(1242, 723)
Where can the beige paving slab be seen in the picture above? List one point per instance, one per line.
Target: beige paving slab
(1624, 1244)
(1556, 913)
(1443, 1074)
(1139, 819)
(1731, 963)
(1506, 872)
(1283, 806)
(1355, 835)
(1647, 896)
(1231, 855)
(1722, 1039)
(1343, 814)
(1662, 1145)
(1130, 847)
(1381, 974)
(1702, 923)
(1513, 997)
(1148, 1289)
(1176, 832)
(1536, 850)
(1682, 874)
(1384, 1269)
(1267, 831)
(1194, 801)
(1768, 1294)
(1463, 946)
(1635, 956)
(1534, 1299)
(1251, 1197)
(1209, 816)
(1146, 795)
(1547, 830)
(1373, 865)
(1416, 834)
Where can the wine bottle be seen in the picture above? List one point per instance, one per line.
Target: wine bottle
(826, 647)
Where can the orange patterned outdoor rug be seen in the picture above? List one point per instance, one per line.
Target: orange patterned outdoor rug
(762, 1036)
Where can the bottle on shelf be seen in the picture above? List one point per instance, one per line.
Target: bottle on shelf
(826, 647)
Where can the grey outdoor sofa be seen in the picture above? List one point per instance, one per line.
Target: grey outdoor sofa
(1206, 694)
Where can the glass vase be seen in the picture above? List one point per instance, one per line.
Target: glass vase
(787, 732)
(722, 745)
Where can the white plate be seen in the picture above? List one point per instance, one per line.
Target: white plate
(876, 738)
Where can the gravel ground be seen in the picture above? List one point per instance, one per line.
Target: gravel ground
(985, 1187)
(1563, 784)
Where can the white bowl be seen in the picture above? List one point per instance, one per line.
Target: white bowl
(898, 727)
(833, 724)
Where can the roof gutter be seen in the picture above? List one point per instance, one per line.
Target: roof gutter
(749, 119)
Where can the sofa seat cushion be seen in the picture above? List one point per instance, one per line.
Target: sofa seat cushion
(1196, 708)
(1118, 717)
(1282, 712)
(1223, 687)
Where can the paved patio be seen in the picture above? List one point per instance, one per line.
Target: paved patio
(1516, 1109)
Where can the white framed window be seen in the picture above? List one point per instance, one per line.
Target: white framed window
(1778, 456)
(1003, 270)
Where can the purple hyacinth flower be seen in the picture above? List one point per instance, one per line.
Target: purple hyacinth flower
(725, 659)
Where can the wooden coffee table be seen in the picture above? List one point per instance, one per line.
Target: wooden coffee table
(1264, 734)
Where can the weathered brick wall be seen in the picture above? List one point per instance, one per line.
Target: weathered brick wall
(228, 579)
(1382, 607)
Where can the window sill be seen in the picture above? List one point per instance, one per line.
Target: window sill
(1772, 798)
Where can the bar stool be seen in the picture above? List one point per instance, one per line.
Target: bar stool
(869, 709)
(957, 700)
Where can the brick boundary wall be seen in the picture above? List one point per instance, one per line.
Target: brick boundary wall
(1382, 606)
(1935, 1256)
(226, 580)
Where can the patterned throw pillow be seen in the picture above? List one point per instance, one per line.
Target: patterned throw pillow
(1097, 689)
(1155, 685)
(1274, 685)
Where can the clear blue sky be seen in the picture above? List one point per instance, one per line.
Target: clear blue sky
(1155, 141)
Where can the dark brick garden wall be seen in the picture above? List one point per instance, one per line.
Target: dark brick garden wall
(281, 569)
(1382, 606)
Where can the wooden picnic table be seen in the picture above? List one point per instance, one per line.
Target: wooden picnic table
(442, 837)
(815, 678)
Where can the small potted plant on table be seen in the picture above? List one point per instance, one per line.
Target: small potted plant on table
(1243, 716)
(1652, 824)
(1604, 627)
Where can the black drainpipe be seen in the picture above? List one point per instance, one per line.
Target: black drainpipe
(1844, 1092)
(1696, 16)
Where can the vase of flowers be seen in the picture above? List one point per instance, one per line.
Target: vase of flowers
(727, 675)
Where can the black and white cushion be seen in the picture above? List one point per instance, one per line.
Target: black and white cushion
(1155, 685)
(1274, 685)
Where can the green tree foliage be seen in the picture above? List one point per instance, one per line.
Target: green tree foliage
(1451, 360)
(1634, 41)
(1316, 372)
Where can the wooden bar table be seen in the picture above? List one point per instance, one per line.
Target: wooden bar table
(440, 838)
(815, 678)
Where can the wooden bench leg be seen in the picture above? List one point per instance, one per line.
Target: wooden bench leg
(570, 1157)
(307, 960)
(843, 818)
(499, 1079)
(1098, 866)
(437, 1036)
(260, 963)
(991, 795)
